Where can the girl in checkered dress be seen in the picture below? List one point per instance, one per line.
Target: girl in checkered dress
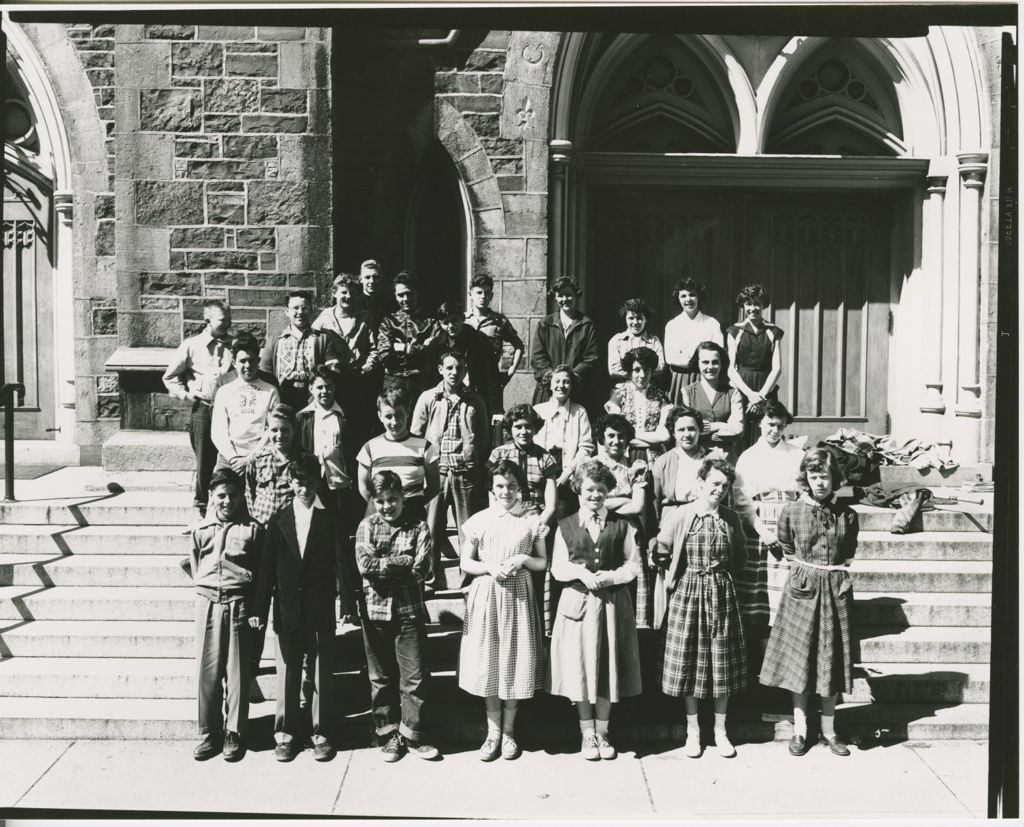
(810, 649)
(500, 654)
(595, 658)
(705, 655)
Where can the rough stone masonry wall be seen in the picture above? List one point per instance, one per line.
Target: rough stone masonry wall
(98, 393)
(492, 112)
(223, 177)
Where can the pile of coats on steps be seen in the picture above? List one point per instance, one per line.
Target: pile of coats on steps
(859, 456)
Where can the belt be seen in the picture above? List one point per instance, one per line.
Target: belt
(819, 566)
(296, 383)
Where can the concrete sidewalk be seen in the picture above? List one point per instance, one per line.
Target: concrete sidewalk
(920, 780)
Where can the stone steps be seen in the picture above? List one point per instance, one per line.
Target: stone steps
(174, 719)
(79, 677)
(142, 603)
(959, 517)
(929, 545)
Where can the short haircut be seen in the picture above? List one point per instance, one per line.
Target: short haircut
(507, 468)
(638, 306)
(564, 285)
(407, 278)
(755, 294)
(298, 294)
(616, 422)
(225, 476)
(454, 353)
(218, 303)
(451, 308)
(282, 413)
(246, 342)
(486, 282)
(345, 280)
(677, 413)
(305, 467)
(593, 469)
(369, 266)
(776, 410)
(719, 465)
(690, 285)
(644, 355)
(563, 368)
(819, 460)
(325, 373)
(523, 411)
(383, 482)
(723, 358)
(393, 398)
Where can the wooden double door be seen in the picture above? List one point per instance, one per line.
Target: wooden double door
(825, 260)
(27, 304)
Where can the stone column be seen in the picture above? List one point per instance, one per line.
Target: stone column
(972, 166)
(931, 251)
(560, 152)
(64, 316)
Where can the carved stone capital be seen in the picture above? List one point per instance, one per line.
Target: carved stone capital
(937, 184)
(973, 167)
(560, 151)
(64, 205)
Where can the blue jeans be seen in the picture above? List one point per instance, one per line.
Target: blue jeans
(395, 651)
(465, 492)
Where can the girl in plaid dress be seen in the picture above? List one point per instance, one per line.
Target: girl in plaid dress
(810, 648)
(705, 655)
(500, 654)
(595, 659)
(766, 479)
(629, 497)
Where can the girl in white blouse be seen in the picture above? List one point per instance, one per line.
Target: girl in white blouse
(685, 332)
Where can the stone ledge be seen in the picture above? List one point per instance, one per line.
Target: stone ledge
(148, 451)
(897, 474)
(140, 359)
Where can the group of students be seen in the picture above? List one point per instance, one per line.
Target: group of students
(677, 511)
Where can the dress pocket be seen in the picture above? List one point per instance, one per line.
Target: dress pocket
(572, 605)
(799, 584)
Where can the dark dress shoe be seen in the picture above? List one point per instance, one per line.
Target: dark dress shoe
(233, 749)
(324, 751)
(208, 747)
(835, 744)
(286, 751)
(798, 745)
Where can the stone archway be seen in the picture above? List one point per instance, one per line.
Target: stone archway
(73, 140)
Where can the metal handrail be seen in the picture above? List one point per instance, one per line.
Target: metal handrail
(7, 393)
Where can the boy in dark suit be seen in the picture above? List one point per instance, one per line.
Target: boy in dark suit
(298, 570)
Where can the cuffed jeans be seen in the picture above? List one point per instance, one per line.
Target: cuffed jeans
(465, 492)
(222, 656)
(203, 448)
(395, 651)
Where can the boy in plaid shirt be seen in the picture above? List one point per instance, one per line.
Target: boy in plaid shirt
(453, 418)
(393, 555)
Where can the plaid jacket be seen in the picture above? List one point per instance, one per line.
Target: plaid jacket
(394, 560)
(268, 483)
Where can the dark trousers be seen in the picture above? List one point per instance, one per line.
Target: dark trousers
(203, 448)
(311, 647)
(395, 651)
(348, 506)
(222, 658)
(295, 397)
(464, 492)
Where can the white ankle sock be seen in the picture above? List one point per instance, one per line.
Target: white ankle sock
(720, 722)
(602, 727)
(799, 723)
(692, 727)
(828, 726)
(586, 725)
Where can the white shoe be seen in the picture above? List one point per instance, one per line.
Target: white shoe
(693, 749)
(725, 747)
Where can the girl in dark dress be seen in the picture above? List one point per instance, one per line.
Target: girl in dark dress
(811, 648)
(755, 359)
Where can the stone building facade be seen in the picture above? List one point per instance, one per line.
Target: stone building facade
(857, 177)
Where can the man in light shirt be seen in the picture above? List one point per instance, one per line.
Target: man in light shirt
(240, 408)
(194, 375)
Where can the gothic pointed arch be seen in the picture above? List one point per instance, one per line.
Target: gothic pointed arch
(838, 101)
(652, 93)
